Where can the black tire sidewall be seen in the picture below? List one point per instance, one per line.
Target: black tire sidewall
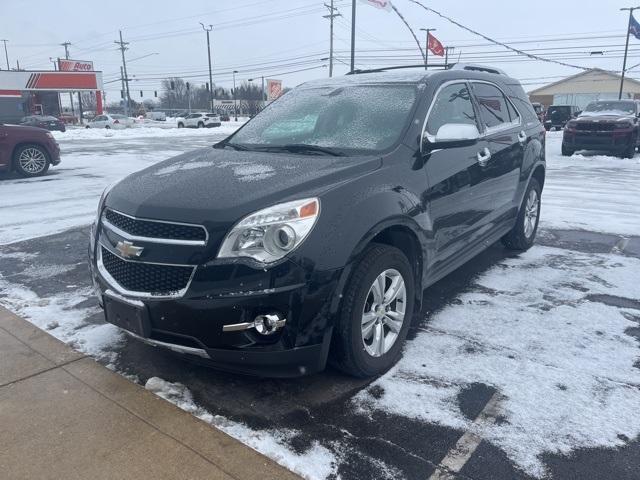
(18, 167)
(351, 315)
(528, 242)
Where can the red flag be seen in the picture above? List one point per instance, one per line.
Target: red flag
(434, 45)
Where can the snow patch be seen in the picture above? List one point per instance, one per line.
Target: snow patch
(563, 363)
(316, 463)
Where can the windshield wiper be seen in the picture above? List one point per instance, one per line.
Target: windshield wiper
(305, 148)
(235, 146)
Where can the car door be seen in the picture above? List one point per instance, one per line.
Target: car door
(507, 138)
(453, 175)
(5, 146)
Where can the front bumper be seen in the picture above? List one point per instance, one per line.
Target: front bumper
(229, 294)
(592, 140)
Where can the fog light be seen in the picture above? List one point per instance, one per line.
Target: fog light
(268, 324)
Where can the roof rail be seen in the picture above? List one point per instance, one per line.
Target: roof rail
(397, 67)
(477, 68)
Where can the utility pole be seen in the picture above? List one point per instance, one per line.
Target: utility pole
(6, 55)
(626, 49)
(446, 55)
(353, 35)
(123, 47)
(66, 55)
(235, 103)
(210, 76)
(331, 16)
(122, 95)
(426, 52)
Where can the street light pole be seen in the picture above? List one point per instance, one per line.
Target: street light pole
(235, 103)
(426, 52)
(353, 35)
(626, 49)
(210, 75)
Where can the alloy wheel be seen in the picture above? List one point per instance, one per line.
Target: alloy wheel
(32, 160)
(383, 313)
(531, 213)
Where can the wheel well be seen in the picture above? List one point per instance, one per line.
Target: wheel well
(538, 174)
(24, 144)
(404, 239)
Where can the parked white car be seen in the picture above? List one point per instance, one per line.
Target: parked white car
(200, 120)
(158, 116)
(114, 121)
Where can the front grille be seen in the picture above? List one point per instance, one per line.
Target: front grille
(155, 228)
(162, 280)
(595, 127)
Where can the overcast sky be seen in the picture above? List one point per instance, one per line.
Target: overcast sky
(276, 37)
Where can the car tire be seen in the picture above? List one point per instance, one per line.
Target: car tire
(547, 128)
(523, 233)
(88, 126)
(629, 152)
(200, 125)
(180, 125)
(31, 160)
(567, 152)
(107, 127)
(351, 351)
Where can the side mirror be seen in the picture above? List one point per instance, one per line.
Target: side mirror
(455, 135)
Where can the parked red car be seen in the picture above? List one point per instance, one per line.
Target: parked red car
(27, 150)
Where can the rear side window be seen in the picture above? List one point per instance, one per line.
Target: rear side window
(494, 109)
(451, 105)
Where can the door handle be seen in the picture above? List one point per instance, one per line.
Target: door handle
(484, 156)
(522, 137)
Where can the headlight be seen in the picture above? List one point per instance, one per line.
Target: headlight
(50, 135)
(622, 124)
(270, 234)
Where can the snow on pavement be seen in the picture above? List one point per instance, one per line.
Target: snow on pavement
(68, 195)
(316, 462)
(599, 193)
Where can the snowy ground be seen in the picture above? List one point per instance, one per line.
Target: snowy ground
(550, 337)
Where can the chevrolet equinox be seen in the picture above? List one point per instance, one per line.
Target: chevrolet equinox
(309, 235)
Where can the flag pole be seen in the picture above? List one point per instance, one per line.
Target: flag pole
(626, 49)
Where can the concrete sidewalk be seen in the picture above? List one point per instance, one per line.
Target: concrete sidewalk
(62, 415)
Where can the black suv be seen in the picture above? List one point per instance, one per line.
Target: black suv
(557, 116)
(609, 125)
(310, 234)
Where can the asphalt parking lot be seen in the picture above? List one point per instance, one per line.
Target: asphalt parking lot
(519, 366)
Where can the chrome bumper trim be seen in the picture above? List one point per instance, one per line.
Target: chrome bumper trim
(171, 346)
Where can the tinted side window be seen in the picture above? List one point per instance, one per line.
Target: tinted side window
(451, 105)
(493, 106)
(513, 114)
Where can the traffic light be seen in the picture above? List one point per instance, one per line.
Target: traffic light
(187, 86)
(173, 85)
(207, 86)
(121, 93)
(155, 93)
(141, 94)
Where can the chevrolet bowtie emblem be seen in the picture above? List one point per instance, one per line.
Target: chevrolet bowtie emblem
(128, 249)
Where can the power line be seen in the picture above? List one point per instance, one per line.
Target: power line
(520, 52)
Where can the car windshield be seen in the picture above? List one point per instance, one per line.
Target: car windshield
(612, 108)
(353, 118)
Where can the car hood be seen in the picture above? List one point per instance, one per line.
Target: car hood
(215, 187)
(25, 129)
(605, 118)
